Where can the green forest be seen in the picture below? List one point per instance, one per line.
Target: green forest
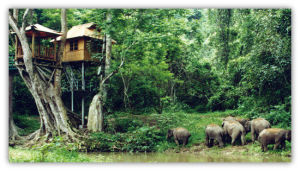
(169, 68)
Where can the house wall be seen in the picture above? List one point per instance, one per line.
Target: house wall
(75, 55)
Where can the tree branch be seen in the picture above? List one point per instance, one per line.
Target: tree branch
(24, 21)
(13, 23)
(121, 64)
(20, 32)
(112, 73)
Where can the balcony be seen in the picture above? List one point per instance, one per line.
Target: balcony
(40, 52)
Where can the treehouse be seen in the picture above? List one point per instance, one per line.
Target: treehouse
(83, 43)
(39, 38)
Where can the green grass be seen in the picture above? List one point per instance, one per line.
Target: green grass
(24, 155)
(196, 123)
(145, 132)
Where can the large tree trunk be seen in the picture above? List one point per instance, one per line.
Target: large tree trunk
(53, 115)
(96, 114)
(13, 129)
(58, 71)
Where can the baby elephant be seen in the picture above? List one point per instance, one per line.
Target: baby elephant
(181, 135)
(214, 132)
(275, 136)
(256, 126)
(234, 129)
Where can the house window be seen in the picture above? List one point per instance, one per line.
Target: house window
(73, 45)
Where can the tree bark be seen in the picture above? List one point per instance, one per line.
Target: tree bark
(96, 115)
(13, 129)
(108, 48)
(58, 70)
(53, 115)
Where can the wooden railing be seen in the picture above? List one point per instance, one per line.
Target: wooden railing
(40, 52)
(44, 52)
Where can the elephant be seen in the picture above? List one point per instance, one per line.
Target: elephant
(256, 126)
(234, 129)
(214, 132)
(275, 136)
(181, 135)
(228, 118)
(240, 120)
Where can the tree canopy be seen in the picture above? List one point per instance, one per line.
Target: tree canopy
(189, 59)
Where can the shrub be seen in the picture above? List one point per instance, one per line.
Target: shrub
(58, 150)
(126, 124)
(279, 116)
(143, 139)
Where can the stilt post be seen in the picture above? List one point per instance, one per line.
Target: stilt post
(82, 97)
(72, 94)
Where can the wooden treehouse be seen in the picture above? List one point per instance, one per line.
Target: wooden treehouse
(82, 43)
(39, 38)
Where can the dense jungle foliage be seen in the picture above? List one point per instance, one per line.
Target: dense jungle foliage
(179, 60)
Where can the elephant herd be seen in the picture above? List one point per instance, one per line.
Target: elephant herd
(236, 128)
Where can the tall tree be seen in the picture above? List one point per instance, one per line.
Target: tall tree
(223, 16)
(96, 113)
(53, 115)
(108, 41)
(13, 131)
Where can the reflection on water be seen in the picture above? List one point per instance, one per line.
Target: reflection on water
(183, 157)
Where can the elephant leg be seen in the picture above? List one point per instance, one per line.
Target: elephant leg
(210, 142)
(233, 137)
(253, 136)
(262, 147)
(283, 145)
(176, 141)
(265, 147)
(220, 142)
(276, 145)
(243, 139)
(185, 141)
(207, 140)
(264, 144)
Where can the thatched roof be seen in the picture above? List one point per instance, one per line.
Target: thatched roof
(83, 30)
(42, 31)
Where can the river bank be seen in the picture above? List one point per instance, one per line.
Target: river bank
(142, 138)
(193, 154)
